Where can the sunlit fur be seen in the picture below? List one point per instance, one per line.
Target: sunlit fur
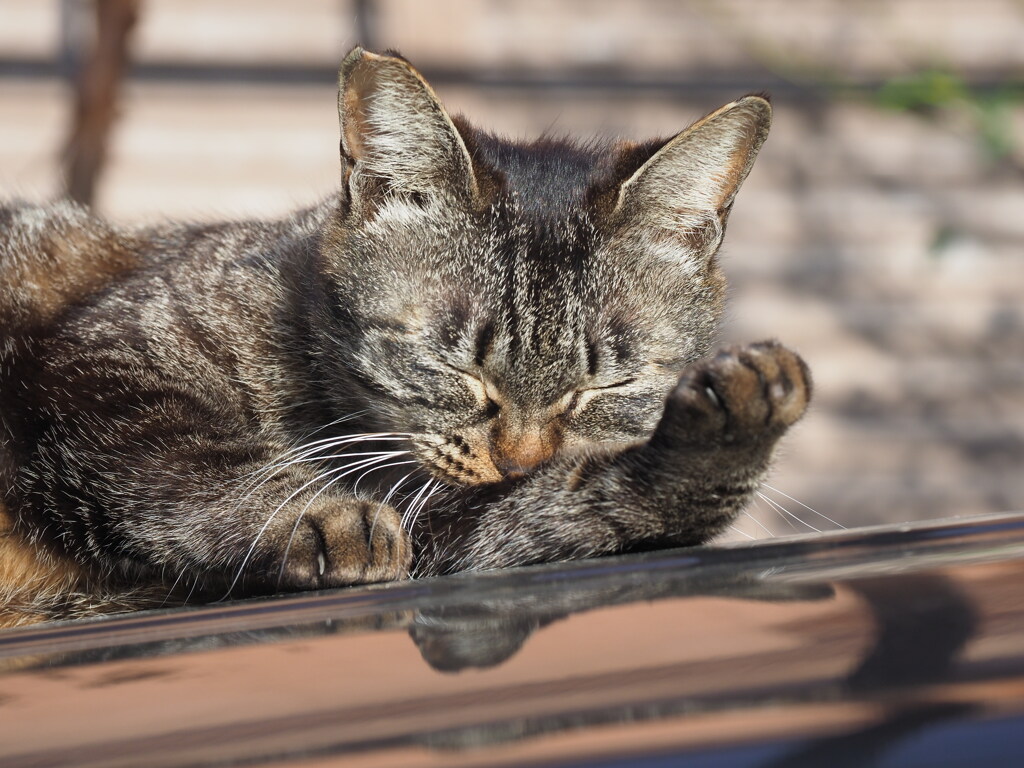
(460, 360)
(503, 335)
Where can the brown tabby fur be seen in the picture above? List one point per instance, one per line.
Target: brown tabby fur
(478, 353)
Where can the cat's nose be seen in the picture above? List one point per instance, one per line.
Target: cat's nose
(515, 455)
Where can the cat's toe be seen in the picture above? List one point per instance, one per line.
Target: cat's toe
(784, 383)
(744, 393)
(345, 542)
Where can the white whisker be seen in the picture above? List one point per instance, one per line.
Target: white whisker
(785, 511)
(320, 446)
(741, 533)
(296, 462)
(310, 455)
(408, 510)
(759, 524)
(418, 509)
(810, 509)
(354, 436)
(355, 485)
(387, 497)
(782, 517)
(331, 457)
(340, 439)
(331, 443)
(174, 586)
(396, 486)
(310, 449)
(334, 423)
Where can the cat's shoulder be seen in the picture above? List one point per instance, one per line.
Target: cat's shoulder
(56, 255)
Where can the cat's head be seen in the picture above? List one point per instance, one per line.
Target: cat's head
(506, 301)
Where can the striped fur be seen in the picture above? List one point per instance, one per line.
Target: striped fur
(478, 353)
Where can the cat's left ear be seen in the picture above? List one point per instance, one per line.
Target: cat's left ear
(395, 135)
(686, 189)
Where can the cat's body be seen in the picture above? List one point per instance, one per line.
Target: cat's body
(459, 362)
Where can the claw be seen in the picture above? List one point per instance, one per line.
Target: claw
(713, 397)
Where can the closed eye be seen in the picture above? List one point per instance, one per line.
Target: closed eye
(616, 385)
(483, 390)
(575, 400)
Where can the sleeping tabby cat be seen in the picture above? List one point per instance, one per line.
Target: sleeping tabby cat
(477, 354)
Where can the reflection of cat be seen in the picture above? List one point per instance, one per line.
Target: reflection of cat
(922, 622)
(460, 361)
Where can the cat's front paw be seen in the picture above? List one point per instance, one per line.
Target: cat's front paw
(338, 542)
(744, 396)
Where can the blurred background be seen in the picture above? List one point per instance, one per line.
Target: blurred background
(881, 232)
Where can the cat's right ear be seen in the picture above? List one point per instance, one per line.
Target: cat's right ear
(396, 138)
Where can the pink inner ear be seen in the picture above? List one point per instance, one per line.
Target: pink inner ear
(357, 90)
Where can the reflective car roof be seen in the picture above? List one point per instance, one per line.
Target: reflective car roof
(892, 646)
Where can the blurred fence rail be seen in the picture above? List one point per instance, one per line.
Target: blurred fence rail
(800, 44)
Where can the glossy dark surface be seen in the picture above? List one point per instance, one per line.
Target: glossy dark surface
(881, 647)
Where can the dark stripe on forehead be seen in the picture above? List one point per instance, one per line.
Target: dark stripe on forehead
(548, 178)
(482, 343)
(548, 288)
(509, 266)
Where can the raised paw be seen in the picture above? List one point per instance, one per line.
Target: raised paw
(743, 395)
(338, 542)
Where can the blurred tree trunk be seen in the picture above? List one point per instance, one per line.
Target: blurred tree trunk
(96, 90)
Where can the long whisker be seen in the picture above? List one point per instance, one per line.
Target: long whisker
(759, 524)
(345, 455)
(355, 485)
(785, 511)
(296, 462)
(318, 446)
(741, 533)
(420, 503)
(418, 510)
(784, 519)
(291, 456)
(395, 487)
(174, 586)
(195, 583)
(337, 439)
(328, 425)
(286, 458)
(809, 509)
(412, 514)
(311, 443)
(310, 454)
(387, 497)
(408, 510)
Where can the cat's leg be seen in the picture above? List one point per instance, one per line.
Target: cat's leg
(194, 505)
(287, 533)
(303, 537)
(683, 485)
